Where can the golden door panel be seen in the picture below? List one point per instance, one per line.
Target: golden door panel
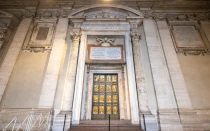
(105, 96)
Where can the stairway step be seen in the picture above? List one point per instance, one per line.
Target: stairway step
(105, 122)
(104, 127)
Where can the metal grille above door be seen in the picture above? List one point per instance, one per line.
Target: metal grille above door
(105, 100)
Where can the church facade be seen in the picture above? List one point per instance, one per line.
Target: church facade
(139, 63)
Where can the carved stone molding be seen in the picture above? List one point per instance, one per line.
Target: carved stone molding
(47, 14)
(106, 13)
(37, 50)
(137, 13)
(28, 14)
(64, 13)
(174, 16)
(105, 41)
(188, 17)
(8, 20)
(107, 67)
(160, 16)
(102, 27)
(193, 52)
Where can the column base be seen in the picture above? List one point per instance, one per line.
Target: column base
(149, 121)
(61, 119)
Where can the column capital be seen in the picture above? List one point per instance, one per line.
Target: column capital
(135, 36)
(134, 21)
(77, 23)
(75, 34)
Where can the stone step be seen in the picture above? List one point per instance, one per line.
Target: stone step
(105, 122)
(105, 127)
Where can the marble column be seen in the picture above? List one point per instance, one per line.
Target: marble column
(140, 79)
(53, 67)
(12, 54)
(71, 72)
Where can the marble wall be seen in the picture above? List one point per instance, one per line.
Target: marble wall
(24, 87)
(196, 74)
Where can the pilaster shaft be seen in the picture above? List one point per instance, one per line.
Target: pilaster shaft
(53, 67)
(163, 86)
(12, 54)
(71, 72)
(176, 75)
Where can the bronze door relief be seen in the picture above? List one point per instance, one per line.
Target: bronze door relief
(105, 100)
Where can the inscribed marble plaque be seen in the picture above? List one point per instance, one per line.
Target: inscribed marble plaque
(42, 33)
(187, 36)
(105, 53)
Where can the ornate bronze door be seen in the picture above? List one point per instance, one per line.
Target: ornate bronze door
(105, 100)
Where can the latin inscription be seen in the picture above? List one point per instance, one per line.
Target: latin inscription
(187, 36)
(105, 53)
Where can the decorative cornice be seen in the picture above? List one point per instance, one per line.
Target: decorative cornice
(28, 14)
(107, 5)
(176, 16)
(134, 21)
(193, 52)
(47, 14)
(9, 16)
(105, 27)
